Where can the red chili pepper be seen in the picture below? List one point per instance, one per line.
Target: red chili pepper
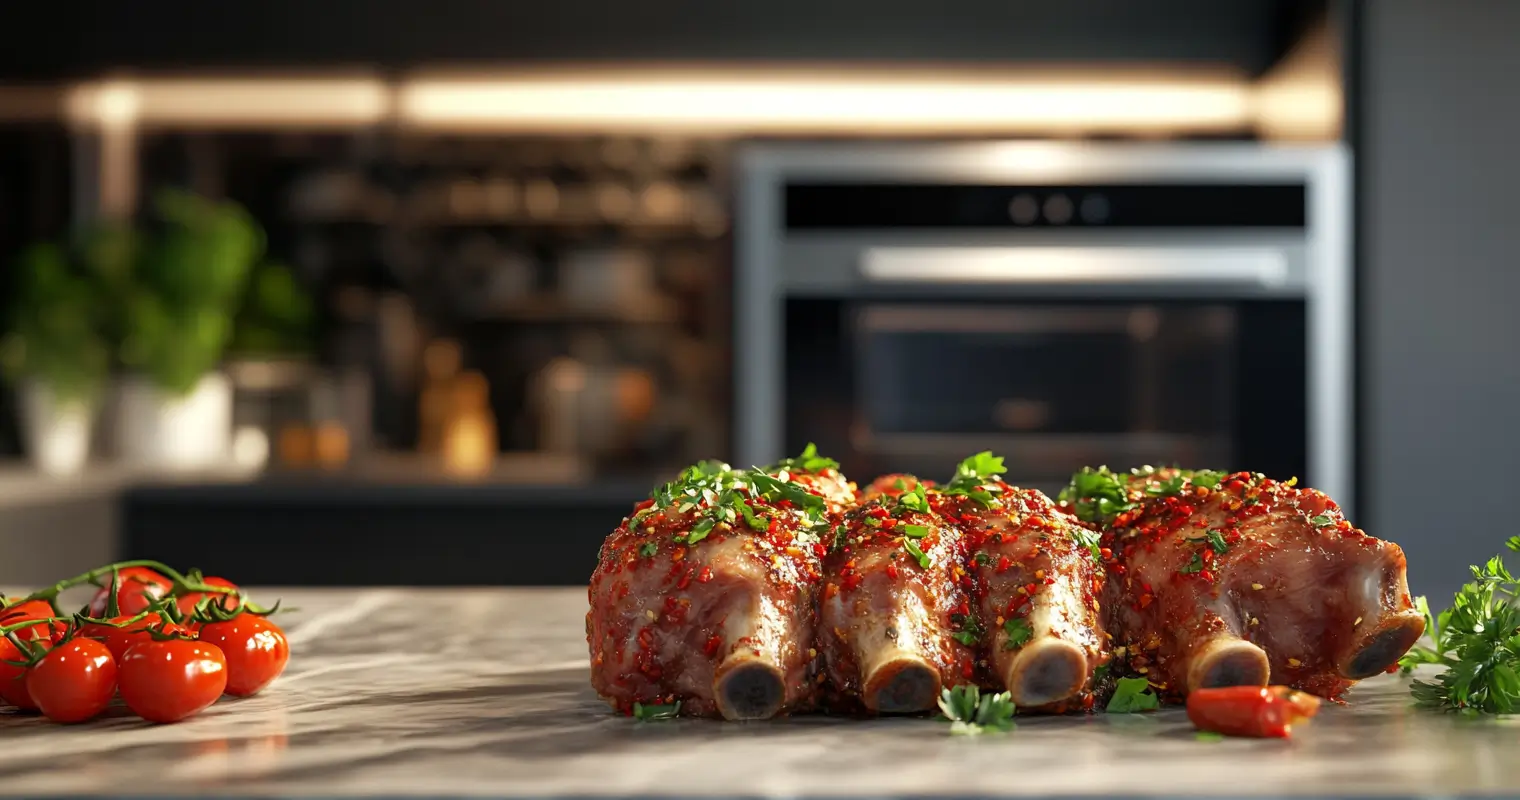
(1258, 711)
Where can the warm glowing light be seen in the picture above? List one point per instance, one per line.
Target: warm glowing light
(284, 102)
(802, 103)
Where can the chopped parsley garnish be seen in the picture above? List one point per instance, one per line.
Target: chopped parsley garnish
(973, 475)
(1088, 538)
(1171, 487)
(915, 531)
(1321, 521)
(648, 549)
(720, 493)
(982, 559)
(970, 713)
(1099, 674)
(915, 499)
(1477, 640)
(1018, 632)
(970, 629)
(1207, 478)
(809, 461)
(1132, 695)
(1216, 541)
(1096, 495)
(839, 536)
(913, 550)
(1208, 736)
(1195, 565)
(750, 519)
(650, 713)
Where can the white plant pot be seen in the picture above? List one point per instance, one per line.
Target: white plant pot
(57, 434)
(157, 430)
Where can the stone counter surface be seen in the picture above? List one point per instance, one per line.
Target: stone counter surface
(485, 693)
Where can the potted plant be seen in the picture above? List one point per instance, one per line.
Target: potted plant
(177, 303)
(56, 355)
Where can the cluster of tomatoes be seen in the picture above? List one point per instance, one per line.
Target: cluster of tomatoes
(168, 643)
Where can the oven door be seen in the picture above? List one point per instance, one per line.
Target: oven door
(1130, 360)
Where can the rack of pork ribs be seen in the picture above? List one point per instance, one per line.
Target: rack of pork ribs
(747, 594)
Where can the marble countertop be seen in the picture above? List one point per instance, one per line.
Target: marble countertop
(485, 693)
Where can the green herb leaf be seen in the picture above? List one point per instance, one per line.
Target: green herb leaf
(1216, 541)
(809, 461)
(973, 475)
(1018, 632)
(914, 531)
(651, 713)
(966, 638)
(1208, 736)
(839, 536)
(1170, 487)
(1207, 478)
(1321, 521)
(1088, 538)
(1132, 695)
(1196, 565)
(982, 559)
(915, 500)
(755, 522)
(1477, 640)
(648, 549)
(913, 549)
(1513, 544)
(971, 713)
(1096, 495)
(700, 530)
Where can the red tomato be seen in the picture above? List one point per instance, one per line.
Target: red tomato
(13, 679)
(31, 609)
(170, 680)
(255, 648)
(120, 640)
(187, 603)
(74, 682)
(137, 588)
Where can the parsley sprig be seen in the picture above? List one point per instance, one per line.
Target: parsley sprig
(972, 713)
(1132, 695)
(973, 475)
(1099, 495)
(724, 495)
(809, 461)
(1477, 640)
(650, 713)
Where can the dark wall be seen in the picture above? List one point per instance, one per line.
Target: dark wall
(1440, 122)
(83, 37)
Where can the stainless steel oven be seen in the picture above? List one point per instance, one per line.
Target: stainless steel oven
(1063, 304)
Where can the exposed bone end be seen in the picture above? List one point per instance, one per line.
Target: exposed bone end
(1046, 670)
(904, 685)
(747, 688)
(1382, 645)
(1228, 662)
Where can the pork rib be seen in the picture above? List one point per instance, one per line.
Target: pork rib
(1219, 580)
(705, 594)
(1036, 586)
(891, 588)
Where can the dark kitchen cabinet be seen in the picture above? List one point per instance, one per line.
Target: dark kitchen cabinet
(64, 39)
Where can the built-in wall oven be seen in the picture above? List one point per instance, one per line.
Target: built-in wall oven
(905, 305)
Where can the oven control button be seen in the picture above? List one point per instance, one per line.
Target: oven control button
(1024, 209)
(1095, 209)
(1058, 209)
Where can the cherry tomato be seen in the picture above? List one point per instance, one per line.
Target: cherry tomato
(167, 681)
(137, 588)
(121, 639)
(74, 682)
(255, 648)
(31, 609)
(187, 602)
(13, 679)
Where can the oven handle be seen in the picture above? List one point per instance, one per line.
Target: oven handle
(1076, 265)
